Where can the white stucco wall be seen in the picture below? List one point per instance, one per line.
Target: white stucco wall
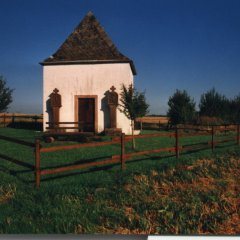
(85, 79)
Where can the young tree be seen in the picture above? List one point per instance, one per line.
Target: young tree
(181, 108)
(133, 104)
(5, 95)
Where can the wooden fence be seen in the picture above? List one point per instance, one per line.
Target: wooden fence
(122, 157)
(8, 118)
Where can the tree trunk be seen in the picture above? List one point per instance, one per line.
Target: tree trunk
(133, 140)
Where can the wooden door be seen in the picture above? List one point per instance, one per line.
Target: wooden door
(86, 114)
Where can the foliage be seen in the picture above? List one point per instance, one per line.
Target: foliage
(213, 104)
(5, 95)
(133, 103)
(234, 110)
(181, 108)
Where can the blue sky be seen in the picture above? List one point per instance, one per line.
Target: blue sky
(175, 44)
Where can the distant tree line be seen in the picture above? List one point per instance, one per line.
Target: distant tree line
(214, 108)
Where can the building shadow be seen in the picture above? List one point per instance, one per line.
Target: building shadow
(49, 112)
(37, 126)
(105, 110)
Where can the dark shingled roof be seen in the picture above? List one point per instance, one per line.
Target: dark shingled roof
(88, 44)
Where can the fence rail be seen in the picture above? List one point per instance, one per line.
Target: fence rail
(77, 146)
(13, 118)
(123, 156)
(121, 141)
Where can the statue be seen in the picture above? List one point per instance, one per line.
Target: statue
(56, 103)
(112, 100)
(55, 99)
(112, 97)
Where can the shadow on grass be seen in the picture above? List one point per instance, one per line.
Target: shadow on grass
(100, 168)
(78, 162)
(18, 141)
(95, 169)
(15, 173)
(16, 161)
(37, 126)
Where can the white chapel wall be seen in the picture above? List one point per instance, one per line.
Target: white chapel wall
(85, 79)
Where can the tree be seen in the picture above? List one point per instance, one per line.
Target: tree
(133, 104)
(213, 104)
(234, 110)
(5, 95)
(181, 108)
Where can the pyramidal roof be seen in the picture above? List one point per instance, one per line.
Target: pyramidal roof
(88, 44)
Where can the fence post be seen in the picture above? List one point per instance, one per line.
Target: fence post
(238, 134)
(177, 142)
(212, 143)
(37, 163)
(123, 165)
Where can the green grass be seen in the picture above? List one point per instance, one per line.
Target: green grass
(157, 194)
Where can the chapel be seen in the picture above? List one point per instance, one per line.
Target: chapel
(82, 81)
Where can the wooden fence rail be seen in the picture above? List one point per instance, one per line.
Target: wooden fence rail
(123, 156)
(77, 146)
(12, 118)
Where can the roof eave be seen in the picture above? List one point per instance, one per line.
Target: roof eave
(133, 67)
(49, 63)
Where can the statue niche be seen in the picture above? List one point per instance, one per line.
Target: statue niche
(112, 102)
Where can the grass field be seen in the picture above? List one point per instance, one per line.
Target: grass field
(157, 194)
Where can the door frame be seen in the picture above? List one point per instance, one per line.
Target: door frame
(95, 97)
